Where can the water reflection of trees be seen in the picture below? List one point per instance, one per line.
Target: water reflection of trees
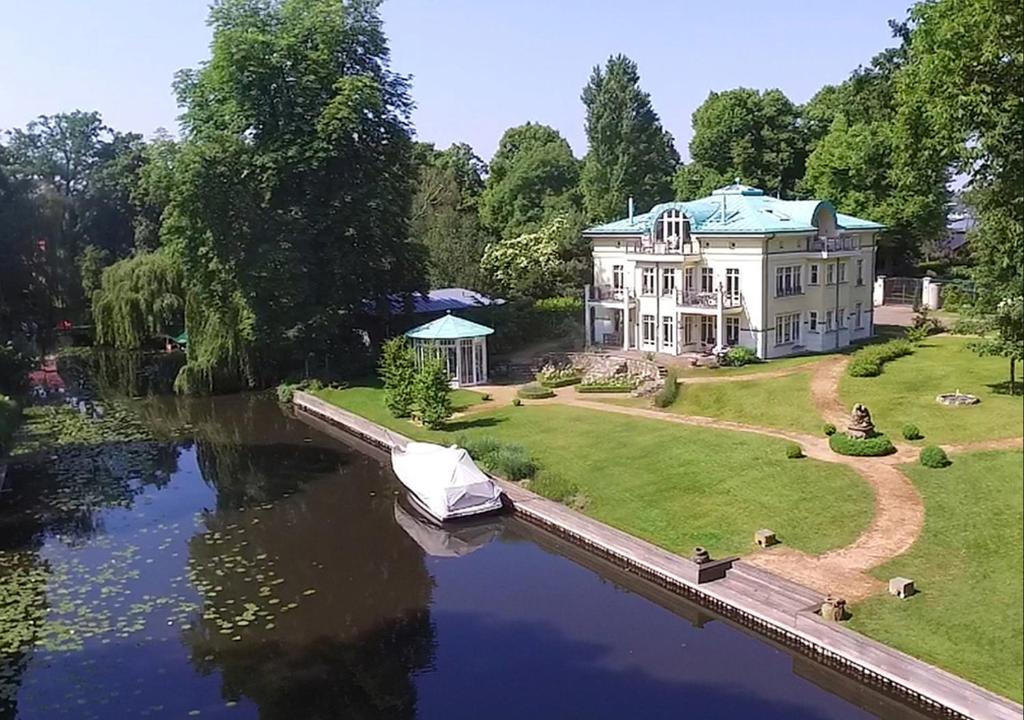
(316, 606)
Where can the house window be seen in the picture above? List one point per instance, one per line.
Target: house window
(668, 281)
(732, 282)
(617, 277)
(647, 281)
(813, 279)
(707, 329)
(787, 328)
(858, 318)
(688, 279)
(830, 274)
(828, 321)
(860, 272)
(841, 318)
(668, 331)
(787, 281)
(671, 229)
(842, 272)
(647, 324)
(732, 331)
(707, 279)
(812, 320)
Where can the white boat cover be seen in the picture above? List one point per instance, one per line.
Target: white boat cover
(449, 541)
(445, 480)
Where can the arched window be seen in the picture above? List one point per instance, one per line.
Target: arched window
(672, 228)
(825, 221)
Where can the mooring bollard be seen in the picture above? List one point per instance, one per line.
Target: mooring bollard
(833, 609)
(700, 555)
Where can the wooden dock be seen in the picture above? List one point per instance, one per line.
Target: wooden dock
(781, 610)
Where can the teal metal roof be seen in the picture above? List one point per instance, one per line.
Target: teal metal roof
(449, 327)
(737, 210)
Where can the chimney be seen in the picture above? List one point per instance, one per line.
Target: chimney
(630, 204)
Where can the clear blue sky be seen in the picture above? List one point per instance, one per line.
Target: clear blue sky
(478, 66)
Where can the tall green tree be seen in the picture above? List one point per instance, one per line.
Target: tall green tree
(964, 74)
(445, 215)
(139, 298)
(293, 189)
(873, 157)
(629, 153)
(23, 291)
(747, 134)
(533, 177)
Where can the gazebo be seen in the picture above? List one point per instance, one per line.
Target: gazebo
(462, 343)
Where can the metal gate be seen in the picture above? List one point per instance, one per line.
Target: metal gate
(901, 291)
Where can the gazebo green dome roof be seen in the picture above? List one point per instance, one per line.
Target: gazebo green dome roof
(449, 327)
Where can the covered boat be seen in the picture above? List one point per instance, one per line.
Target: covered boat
(445, 481)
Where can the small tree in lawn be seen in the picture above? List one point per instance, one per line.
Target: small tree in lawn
(1003, 335)
(397, 371)
(430, 392)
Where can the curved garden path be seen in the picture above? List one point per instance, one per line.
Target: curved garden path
(825, 390)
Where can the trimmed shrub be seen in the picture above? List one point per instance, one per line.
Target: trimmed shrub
(430, 392)
(911, 432)
(486, 397)
(916, 335)
(669, 391)
(534, 391)
(516, 402)
(867, 447)
(794, 451)
(397, 372)
(739, 356)
(560, 382)
(829, 429)
(868, 361)
(286, 391)
(934, 457)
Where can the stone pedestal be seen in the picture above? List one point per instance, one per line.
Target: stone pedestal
(833, 609)
(765, 538)
(901, 587)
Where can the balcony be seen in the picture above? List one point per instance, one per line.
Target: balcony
(607, 293)
(709, 300)
(843, 243)
(669, 247)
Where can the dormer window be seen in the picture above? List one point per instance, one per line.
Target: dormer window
(672, 228)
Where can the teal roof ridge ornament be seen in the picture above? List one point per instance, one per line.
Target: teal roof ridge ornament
(449, 327)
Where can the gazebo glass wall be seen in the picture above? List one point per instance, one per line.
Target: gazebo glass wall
(462, 344)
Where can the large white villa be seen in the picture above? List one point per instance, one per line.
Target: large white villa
(737, 268)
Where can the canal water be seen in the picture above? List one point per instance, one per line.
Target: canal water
(264, 569)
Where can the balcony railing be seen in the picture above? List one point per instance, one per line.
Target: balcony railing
(689, 298)
(608, 293)
(667, 247)
(836, 244)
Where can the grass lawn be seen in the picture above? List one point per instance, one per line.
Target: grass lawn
(905, 393)
(676, 486)
(967, 565)
(783, 402)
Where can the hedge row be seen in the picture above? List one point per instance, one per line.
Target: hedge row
(10, 416)
(560, 381)
(867, 447)
(606, 387)
(868, 361)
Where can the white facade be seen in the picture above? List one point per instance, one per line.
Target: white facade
(669, 289)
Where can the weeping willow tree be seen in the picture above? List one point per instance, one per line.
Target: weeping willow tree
(139, 298)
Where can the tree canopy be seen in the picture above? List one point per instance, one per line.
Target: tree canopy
(629, 153)
(445, 215)
(292, 199)
(747, 134)
(533, 177)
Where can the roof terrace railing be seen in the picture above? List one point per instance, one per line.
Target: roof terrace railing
(836, 244)
(663, 247)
